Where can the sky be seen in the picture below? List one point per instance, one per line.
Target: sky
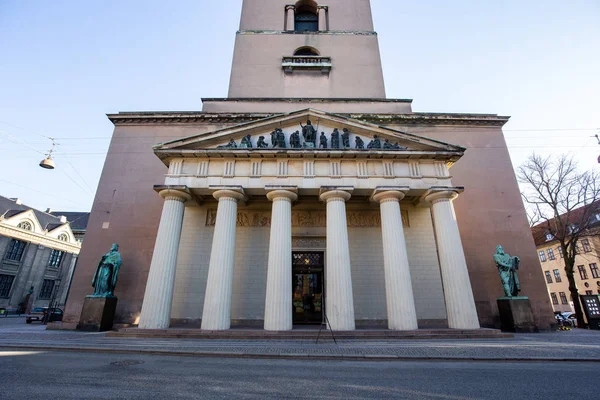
(65, 64)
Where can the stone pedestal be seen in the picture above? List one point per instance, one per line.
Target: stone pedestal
(98, 314)
(516, 314)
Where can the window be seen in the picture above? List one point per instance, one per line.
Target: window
(560, 253)
(589, 292)
(551, 254)
(582, 272)
(543, 255)
(6, 282)
(549, 237)
(55, 258)
(306, 51)
(577, 248)
(548, 276)
(15, 250)
(26, 225)
(594, 269)
(554, 298)
(557, 277)
(586, 245)
(563, 298)
(306, 18)
(63, 237)
(47, 288)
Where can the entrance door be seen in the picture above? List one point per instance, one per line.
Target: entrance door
(307, 287)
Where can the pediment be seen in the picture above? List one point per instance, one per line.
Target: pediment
(287, 132)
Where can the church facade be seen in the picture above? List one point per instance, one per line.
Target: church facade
(306, 195)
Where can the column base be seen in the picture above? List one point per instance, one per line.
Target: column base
(516, 315)
(98, 314)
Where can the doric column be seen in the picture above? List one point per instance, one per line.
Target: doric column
(216, 314)
(401, 311)
(339, 302)
(156, 308)
(460, 304)
(278, 303)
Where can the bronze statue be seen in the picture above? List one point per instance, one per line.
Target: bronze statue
(346, 139)
(278, 138)
(105, 278)
(246, 142)
(375, 143)
(387, 145)
(507, 269)
(230, 145)
(261, 144)
(295, 140)
(398, 147)
(335, 139)
(323, 141)
(359, 143)
(309, 133)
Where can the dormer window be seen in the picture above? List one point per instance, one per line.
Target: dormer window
(549, 237)
(63, 237)
(306, 18)
(25, 225)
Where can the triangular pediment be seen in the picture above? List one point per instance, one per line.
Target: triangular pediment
(284, 132)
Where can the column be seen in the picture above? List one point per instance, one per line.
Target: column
(278, 303)
(322, 13)
(460, 304)
(339, 302)
(401, 311)
(290, 16)
(156, 308)
(216, 314)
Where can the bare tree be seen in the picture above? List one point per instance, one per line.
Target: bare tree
(568, 201)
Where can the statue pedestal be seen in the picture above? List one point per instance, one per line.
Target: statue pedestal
(98, 314)
(516, 314)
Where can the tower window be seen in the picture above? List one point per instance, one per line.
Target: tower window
(306, 18)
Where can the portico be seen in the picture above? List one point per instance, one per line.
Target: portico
(298, 196)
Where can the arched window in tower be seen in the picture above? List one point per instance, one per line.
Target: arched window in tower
(26, 225)
(306, 18)
(306, 51)
(63, 237)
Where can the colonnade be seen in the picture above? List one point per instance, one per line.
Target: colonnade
(401, 313)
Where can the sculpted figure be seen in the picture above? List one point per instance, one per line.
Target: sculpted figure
(246, 142)
(261, 143)
(375, 143)
(274, 137)
(335, 139)
(507, 269)
(359, 143)
(105, 278)
(309, 133)
(323, 141)
(387, 145)
(346, 138)
(280, 138)
(398, 147)
(230, 145)
(295, 140)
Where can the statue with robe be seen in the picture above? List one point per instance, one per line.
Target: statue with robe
(346, 138)
(295, 140)
(387, 145)
(335, 139)
(507, 269)
(105, 278)
(359, 143)
(246, 142)
(323, 141)
(375, 143)
(309, 133)
(261, 143)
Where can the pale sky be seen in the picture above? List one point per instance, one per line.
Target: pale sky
(64, 64)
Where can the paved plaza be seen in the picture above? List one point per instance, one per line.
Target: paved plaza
(575, 345)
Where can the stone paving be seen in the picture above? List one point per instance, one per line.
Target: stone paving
(575, 345)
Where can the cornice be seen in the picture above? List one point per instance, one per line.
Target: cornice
(195, 117)
(318, 33)
(36, 238)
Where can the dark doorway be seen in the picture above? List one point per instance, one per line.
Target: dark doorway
(307, 286)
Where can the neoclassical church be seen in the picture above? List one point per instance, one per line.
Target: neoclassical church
(308, 196)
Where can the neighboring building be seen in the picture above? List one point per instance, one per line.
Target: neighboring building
(39, 250)
(586, 271)
(77, 221)
(298, 227)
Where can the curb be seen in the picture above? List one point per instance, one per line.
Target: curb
(290, 356)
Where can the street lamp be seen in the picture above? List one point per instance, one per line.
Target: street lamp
(48, 162)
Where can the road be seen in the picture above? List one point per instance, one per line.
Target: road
(71, 375)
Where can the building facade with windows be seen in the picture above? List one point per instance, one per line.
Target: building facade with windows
(39, 251)
(307, 191)
(586, 272)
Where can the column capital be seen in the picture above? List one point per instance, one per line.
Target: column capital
(389, 193)
(228, 194)
(329, 193)
(281, 194)
(442, 193)
(175, 194)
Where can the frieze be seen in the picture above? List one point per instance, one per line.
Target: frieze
(307, 219)
(309, 243)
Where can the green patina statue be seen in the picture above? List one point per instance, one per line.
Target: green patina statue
(105, 278)
(507, 269)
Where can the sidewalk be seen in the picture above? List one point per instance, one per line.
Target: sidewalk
(575, 345)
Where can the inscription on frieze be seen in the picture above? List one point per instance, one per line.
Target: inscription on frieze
(306, 218)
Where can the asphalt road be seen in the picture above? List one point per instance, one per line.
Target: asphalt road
(68, 375)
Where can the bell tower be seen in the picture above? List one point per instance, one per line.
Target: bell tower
(306, 49)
